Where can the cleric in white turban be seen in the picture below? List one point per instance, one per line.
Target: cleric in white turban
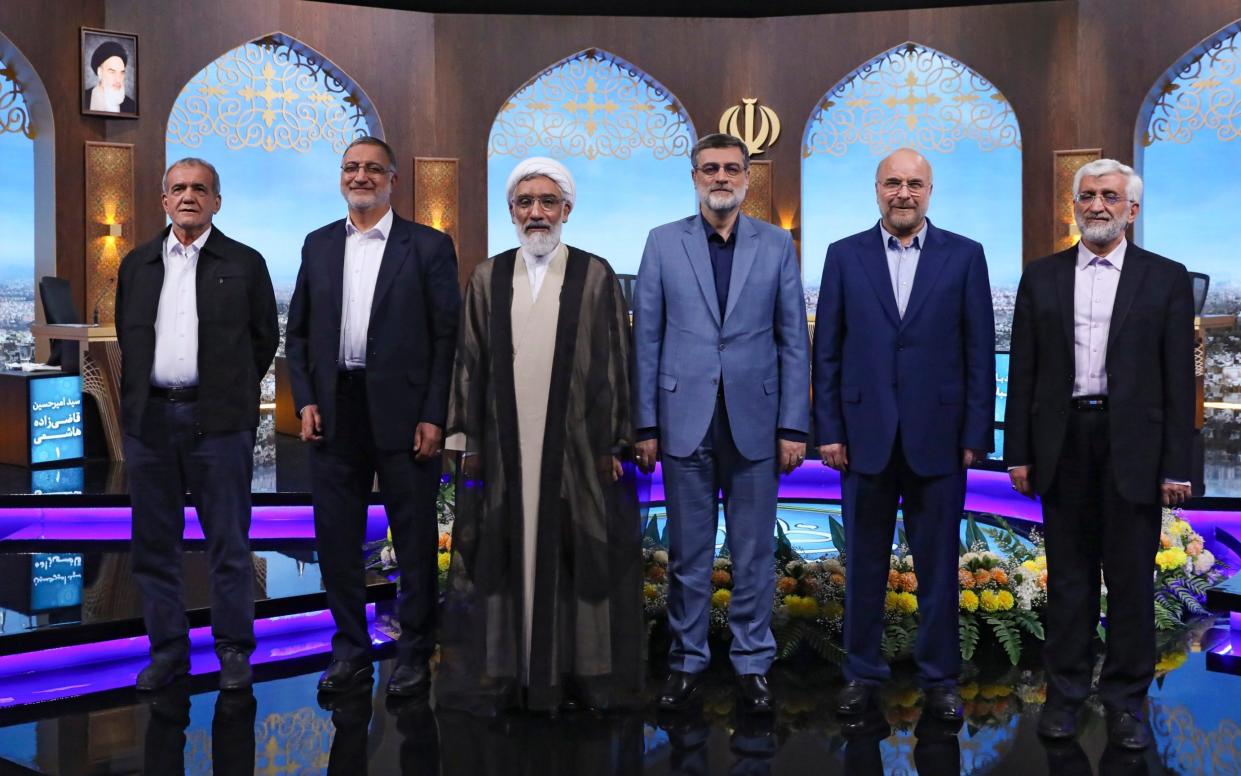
(545, 586)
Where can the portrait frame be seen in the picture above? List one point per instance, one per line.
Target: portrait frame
(91, 39)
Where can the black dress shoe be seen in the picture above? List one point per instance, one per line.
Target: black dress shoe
(410, 681)
(944, 704)
(679, 690)
(342, 675)
(855, 698)
(235, 673)
(1127, 730)
(755, 694)
(1057, 723)
(161, 672)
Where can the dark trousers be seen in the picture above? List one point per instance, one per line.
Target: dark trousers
(344, 468)
(750, 488)
(170, 458)
(1088, 524)
(932, 509)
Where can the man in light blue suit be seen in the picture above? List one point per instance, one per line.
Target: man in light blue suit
(904, 393)
(721, 384)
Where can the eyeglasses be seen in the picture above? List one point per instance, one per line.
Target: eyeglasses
(894, 185)
(371, 169)
(548, 202)
(710, 169)
(1109, 198)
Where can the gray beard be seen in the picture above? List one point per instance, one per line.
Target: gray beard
(1101, 234)
(539, 243)
(721, 202)
(106, 99)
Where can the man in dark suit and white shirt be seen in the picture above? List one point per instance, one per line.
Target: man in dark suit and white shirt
(1099, 424)
(904, 392)
(371, 334)
(196, 322)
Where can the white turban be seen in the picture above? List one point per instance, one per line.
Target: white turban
(541, 165)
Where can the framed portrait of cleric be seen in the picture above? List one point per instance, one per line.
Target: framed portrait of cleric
(109, 74)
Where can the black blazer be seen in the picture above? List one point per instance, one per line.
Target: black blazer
(1150, 371)
(410, 340)
(237, 330)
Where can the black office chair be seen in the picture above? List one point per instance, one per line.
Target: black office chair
(627, 282)
(57, 308)
(1201, 283)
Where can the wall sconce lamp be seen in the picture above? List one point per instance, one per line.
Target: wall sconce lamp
(436, 194)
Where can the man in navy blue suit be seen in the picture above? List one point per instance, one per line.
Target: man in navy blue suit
(721, 388)
(904, 393)
(371, 335)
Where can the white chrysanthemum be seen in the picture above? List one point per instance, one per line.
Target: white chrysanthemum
(1204, 562)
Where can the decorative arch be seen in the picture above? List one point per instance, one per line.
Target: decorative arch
(273, 92)
(624, 136)
(27, 193)
(915, 96)
(1187, 146)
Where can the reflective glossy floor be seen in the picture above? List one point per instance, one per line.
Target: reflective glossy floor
(282, 728)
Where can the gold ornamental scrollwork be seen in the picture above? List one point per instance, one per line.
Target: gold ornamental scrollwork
(14, 115)
(912, 96)
(592, 105)
(272, 93)
(1202, 93)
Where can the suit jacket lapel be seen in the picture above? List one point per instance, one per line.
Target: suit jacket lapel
(336, 269)
(875, 263)
(931, 261)
(1132, 276)
(695, 241)
(395, 252)
(744, 253)
(1065, 276)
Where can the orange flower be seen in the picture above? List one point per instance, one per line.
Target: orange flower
(445, 541)
(965, 578)
(894, 579)
(656, 574)
(838, 578)
(999, 576)
(809, 586)
(982, 577)
(786, 585)
(720, 577)
(909, 581)
(1165, 541)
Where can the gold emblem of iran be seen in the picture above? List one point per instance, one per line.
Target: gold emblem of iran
(739, 121)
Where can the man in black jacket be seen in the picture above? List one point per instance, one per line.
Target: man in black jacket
(371, 334)
(1099, 423)
(196, 322)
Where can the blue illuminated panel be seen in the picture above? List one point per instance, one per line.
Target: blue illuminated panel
(55, 419)
(55, 581)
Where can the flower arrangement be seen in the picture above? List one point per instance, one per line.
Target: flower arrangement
(1184, 569)
(1002, 592)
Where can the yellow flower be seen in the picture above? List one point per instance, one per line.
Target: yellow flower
(907, 602)
(989, 601)
(890, 601)
(1180, 528)
(721, 597)
(445, 560)
(649, 591)
(969, 691)
(1005, 600)
(1170, 559)
(905, 698)
(1170, 661)
(1038, 564)
(801, 606)
(993, 691)
(969, 600)
(833, 610)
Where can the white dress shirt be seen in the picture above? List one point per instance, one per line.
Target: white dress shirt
(364, 252)
(1094, 293)
(902, 263)
(176, 318)
(536, 268)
